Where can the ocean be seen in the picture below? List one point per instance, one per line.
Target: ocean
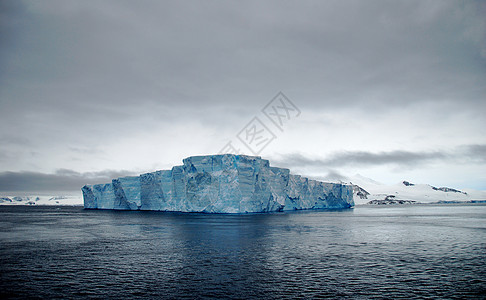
(404, 251)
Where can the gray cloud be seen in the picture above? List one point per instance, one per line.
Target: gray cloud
(475, 152)
(397, 157)
(333, 176)
(14, 140)
(61, 180)
(193, 53)
(360, 158)
(82, 60)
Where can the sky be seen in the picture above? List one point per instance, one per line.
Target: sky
(94, 90)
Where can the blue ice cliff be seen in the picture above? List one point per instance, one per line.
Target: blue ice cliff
(218, 184)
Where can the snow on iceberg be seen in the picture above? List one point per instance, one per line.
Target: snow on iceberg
(224, 183)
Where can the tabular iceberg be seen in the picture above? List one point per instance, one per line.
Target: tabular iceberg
(224, 183)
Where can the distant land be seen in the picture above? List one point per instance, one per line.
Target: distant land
(369, 191)
(366, 191)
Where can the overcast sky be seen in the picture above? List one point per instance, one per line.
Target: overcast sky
(392, 90)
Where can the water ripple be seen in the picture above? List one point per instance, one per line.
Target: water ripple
(420, 252)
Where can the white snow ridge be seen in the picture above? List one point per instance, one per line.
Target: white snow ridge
(369, 191)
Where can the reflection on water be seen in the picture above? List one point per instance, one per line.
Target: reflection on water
(402, 251)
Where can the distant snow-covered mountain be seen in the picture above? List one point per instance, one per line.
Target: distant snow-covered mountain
(366, 190)
(74, 199)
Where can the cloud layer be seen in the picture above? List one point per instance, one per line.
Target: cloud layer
(62, 180)
(474, 153)
(69, 180)
(119, 85)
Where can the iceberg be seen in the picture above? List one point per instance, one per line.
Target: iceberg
(225, 183)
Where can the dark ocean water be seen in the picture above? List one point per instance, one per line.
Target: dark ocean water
(416, 251)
